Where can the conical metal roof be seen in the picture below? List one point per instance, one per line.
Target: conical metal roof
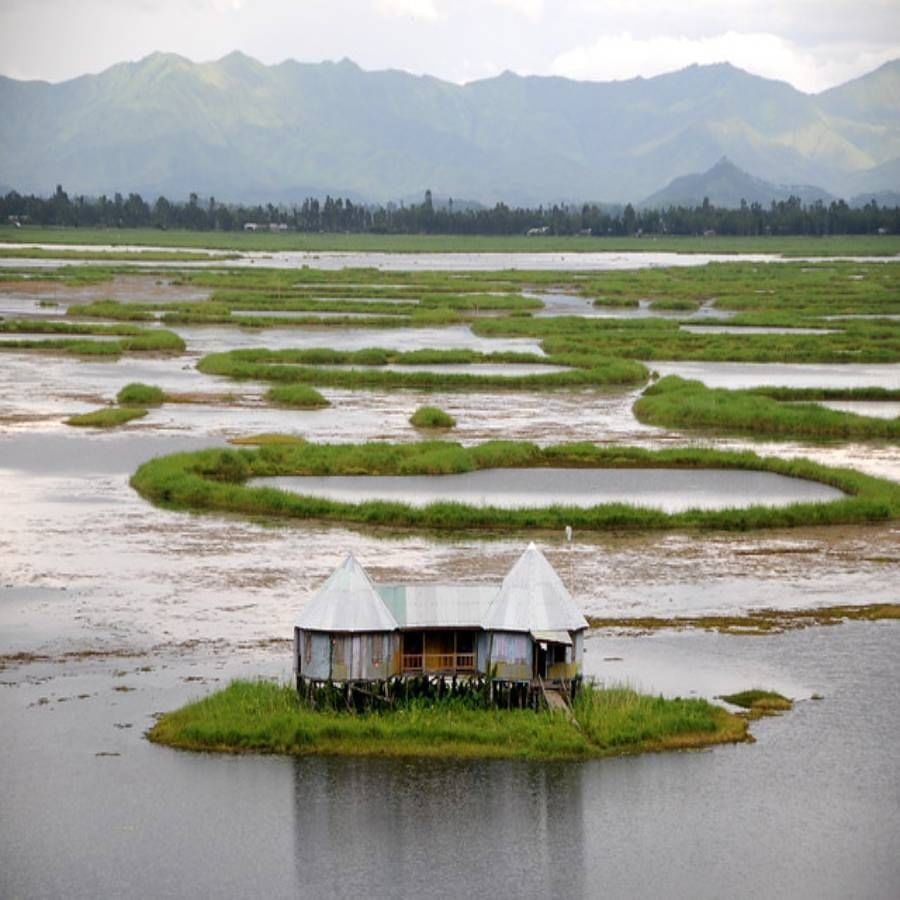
(347, 601)
(532, 598)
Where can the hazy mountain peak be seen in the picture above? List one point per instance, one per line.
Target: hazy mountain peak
(725, 184)
(242, 130)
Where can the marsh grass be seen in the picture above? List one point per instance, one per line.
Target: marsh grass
(108, 417)
(432, 417)
(674, 402)
(263, 717)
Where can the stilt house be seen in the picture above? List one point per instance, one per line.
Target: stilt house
(520, 631)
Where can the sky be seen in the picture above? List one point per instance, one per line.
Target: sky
(812, 44)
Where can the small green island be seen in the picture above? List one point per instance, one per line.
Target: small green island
(263, 717)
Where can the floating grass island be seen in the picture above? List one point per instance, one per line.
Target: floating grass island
(324, 367)
(108, 417)
(760, 702)
(262, 717)
(214, 480)
(88, 340)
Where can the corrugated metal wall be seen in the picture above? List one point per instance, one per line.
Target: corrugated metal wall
(512, 656)
(363, 657)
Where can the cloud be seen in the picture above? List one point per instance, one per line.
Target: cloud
(530, 9)
(424, 10)
(626, 56)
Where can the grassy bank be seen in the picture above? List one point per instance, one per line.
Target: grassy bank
(877, 245)
(267, 718)
(213, 480)
(674, 402)
(321, 367)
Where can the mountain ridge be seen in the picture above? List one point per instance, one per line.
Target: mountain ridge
(241, 130)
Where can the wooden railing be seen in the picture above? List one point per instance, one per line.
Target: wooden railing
(438, 662)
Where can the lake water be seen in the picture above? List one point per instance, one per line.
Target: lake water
(91, 810)
(798, 375)
(216, 338)
(566, 304)
(751, 329)
(672, 490)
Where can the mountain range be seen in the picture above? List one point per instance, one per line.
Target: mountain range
(239, 130)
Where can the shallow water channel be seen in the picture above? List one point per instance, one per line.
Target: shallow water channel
(672, 490)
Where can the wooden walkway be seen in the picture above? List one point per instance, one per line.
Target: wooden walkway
(557, 701)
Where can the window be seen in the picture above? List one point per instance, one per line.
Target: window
(377, 649)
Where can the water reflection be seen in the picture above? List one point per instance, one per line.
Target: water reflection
(397, 829)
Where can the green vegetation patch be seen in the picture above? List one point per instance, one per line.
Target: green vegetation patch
(296, 396)
(108, 417)
(674, 402)
(267, 718)
(789, 245)
(137, 394)
(323, 367)
(431, 417)
(214, 480)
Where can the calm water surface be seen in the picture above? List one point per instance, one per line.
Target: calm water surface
(90, 809)
(672, 490)
(743, 375)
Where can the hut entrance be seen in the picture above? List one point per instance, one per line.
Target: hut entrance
(540, 661)
(553, 659)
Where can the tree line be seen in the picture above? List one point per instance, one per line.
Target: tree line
(341, 214)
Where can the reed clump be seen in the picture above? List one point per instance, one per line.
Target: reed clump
(296, 396)
(137, 394)
(432, 417)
